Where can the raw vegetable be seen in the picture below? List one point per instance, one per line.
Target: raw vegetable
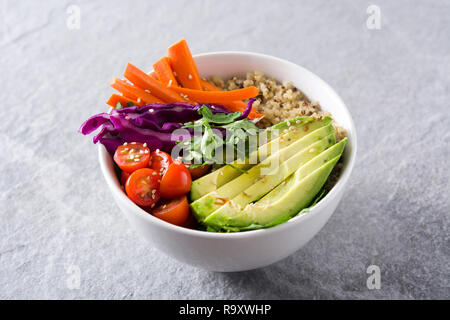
(233, 106)
(126, 88)
(217, 96)
(175, 211)
(176, 181)
(184, 66)
(115, 99)
(201, 149)
(142, 187)
(198, 171)
(142, 80)
(133, 156)
(152, 124)
(124, 177)
(160, 161)
(164, 72)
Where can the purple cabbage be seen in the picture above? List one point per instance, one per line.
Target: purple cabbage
(152, 124)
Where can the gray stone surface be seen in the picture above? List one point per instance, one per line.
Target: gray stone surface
(58, 218)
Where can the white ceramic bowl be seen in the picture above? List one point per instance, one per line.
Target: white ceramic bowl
(250, 249)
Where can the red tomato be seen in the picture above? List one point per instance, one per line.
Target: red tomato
(191, 222)
(174, 211)
(160, 161)
(199, 172)
(132, 156)
(176, 181)
(124, 177)
(142, 187)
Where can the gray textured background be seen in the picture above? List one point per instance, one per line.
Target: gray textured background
(57, 216)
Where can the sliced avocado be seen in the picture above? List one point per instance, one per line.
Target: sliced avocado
(272, 179)
(286, 200)
(280, 139)
(210, 202)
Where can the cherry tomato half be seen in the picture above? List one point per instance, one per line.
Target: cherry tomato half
(160, 161)
(174, 211)
(124, 177)
(142, 187)
(176, 181)
(132, 156)
(199, 172)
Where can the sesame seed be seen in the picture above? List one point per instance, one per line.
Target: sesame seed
(125, 143)
(151, 110)
(146, 151)
(145, 144)
(154, 173)
(190, 76)
(164, 206)
(127, 117)
(133, 142)
(175, 74)
(137, 159)
(131, 156)
(170, 83)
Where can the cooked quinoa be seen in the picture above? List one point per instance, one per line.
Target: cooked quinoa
(279, 102)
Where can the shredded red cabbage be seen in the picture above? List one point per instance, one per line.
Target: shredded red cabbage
(152, 124)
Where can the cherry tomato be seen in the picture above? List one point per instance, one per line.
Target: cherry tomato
(160, 161)
(142, 187)
(191, 222)
(199, 172)
(124, 177)
(176, 181)
(174, 211)
(132, 156)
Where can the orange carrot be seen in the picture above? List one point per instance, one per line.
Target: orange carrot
(115, 98)
(142, 80)
(128, 89)
(233, 106)
(164, 72)
(217, 96)
(153, 75)
(184, 66)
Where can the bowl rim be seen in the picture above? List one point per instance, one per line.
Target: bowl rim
(112, 182)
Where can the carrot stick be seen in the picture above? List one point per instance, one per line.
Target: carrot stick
(128, 89)
(142, 80)
(233, 106)
(115, 98)
(217, 96)
(164, 72)
(153, 75)
(184, 66)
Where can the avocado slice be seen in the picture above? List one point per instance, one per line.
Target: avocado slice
(272, 179)
(210, 202)
(286, 200)
(225, 174)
